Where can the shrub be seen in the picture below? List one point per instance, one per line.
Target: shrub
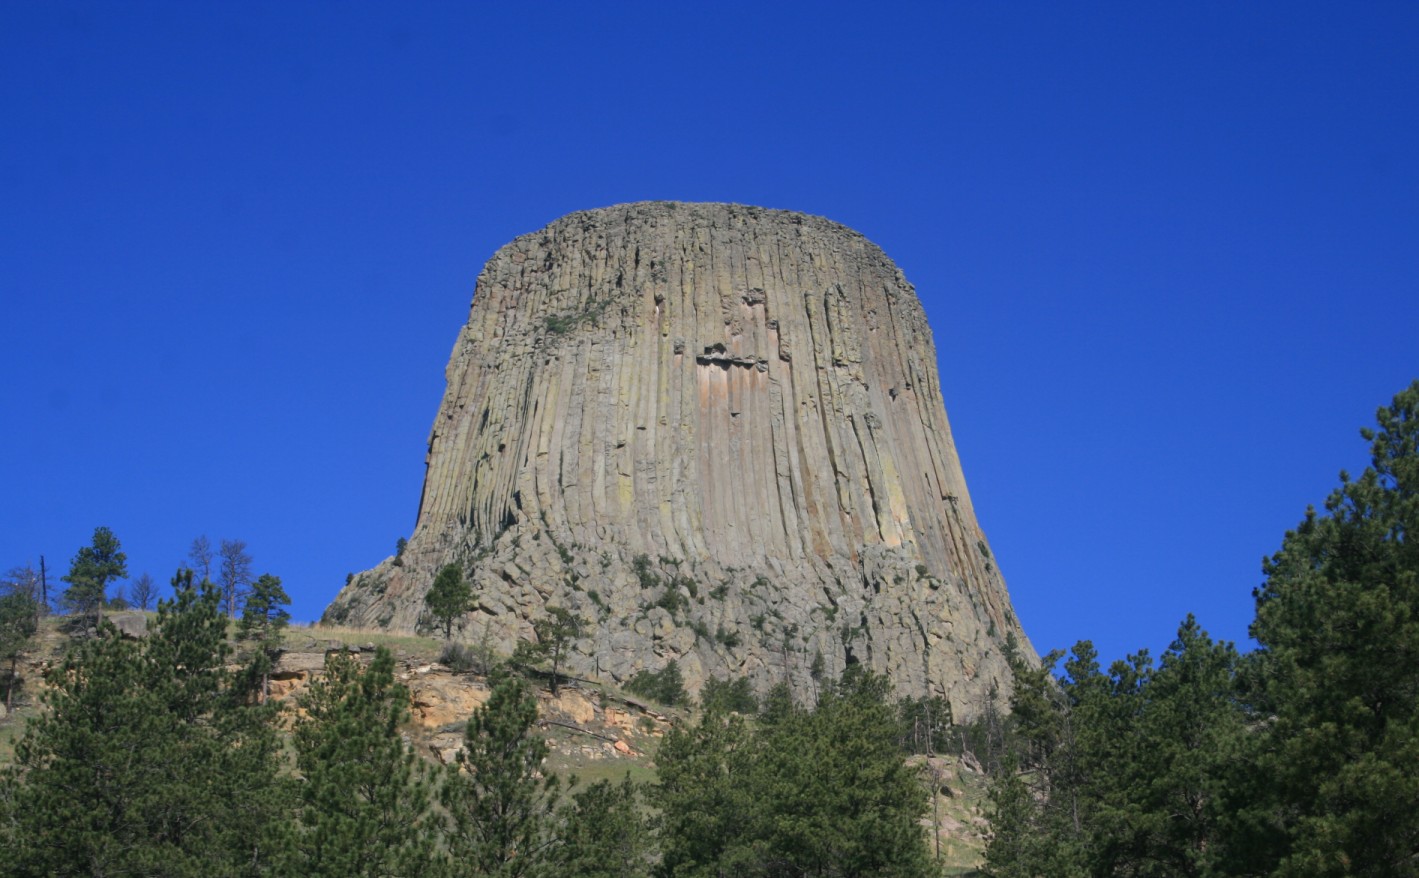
(666, 686)
(689, 585)
(671, 601)
(459, 658)
(735, 695)
(641, 565)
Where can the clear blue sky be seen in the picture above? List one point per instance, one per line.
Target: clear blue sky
(1170, 254)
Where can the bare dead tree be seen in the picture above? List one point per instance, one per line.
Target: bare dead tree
(234, 574)
(200, 554)
(143, 591)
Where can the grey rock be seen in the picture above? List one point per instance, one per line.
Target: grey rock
(299, 663)
(134, 625)
(737, 405)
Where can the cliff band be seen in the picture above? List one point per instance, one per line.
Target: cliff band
(716, 433)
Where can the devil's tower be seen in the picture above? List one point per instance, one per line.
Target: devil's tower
(715, 433)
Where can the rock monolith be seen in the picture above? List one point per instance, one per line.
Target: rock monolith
(716, 434)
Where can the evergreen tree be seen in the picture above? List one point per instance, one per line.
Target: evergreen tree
(18, 615)
(735, 695)
(924, 724)
(703, 794)
(147, 762)
(822, 792)
(777, 704)
(603, 834)
(366, 798)
(1338, 622)
(263, 618)
(841, 800)
(1124, 772)
(450, 597)
(93, 568)
(555, 633)
(666, 685)
(500, 807)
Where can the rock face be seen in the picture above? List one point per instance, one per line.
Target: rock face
(715, 433)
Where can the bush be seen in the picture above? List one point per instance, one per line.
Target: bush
(560, 323)
(477, 658)
(689, 585)
(730, 639)
(641, 565)
(729, 695)
(671, 601)
(666, 686)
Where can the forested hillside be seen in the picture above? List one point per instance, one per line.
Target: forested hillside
(1300, 758)
(164, 754)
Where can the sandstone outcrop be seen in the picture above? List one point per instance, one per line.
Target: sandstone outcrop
(716, 433)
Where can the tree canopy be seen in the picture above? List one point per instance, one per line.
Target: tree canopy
(93, 568)
(366, 798)
(19, 620)
(450, 597)
(1338, 669)
(146, 761)
(1294, 760)
(500, 809)
(821, 791)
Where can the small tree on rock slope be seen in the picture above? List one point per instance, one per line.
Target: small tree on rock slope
(450, 597)
(93, 568)
(263, 618)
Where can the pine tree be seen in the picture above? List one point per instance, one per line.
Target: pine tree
(450, 597)
(666, 685)
(726, 696)
(499, 806)
(93, 568)
(18, 615)
(822, 792)
(703, 793)
(555, 633)
(147, 761)
(366, 797)
(263, 618)
(1124, 772)
(603, 834)
(1297, 760)
(841, 800)
(1338, 622)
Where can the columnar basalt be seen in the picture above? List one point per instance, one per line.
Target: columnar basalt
(716, 433)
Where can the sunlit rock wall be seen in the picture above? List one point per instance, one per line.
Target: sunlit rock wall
(716, 433)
